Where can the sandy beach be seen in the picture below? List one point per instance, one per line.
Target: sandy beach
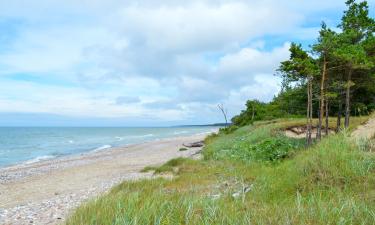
(46, 192)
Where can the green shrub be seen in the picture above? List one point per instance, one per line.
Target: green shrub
(273, 149)
(258, 142)
(229, 129)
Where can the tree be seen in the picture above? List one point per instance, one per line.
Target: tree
(357, 29)
(301, 68)
(224, 111)
(327, 42)
(339, 71)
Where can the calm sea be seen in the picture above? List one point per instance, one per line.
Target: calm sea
(26, 145)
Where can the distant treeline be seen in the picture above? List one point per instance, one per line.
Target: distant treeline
(333, 77)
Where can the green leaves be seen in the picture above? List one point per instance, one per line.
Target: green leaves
(299, 67)
(327, 42)
(274, 149)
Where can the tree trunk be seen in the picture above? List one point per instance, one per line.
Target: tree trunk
(338, 125)
(347, 99)
(317, 123)
(327, 118)
(252, 116)
(309, 129)
(321, 113)
(225, 112)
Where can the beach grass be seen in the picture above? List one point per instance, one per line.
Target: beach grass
(331, 182)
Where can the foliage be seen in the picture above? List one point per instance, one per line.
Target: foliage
(262, 143)
(340, 66)
(278, 108)
(229, 129)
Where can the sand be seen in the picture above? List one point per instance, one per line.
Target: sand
(365, 131)
(46, 192)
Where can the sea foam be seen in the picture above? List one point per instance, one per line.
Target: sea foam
(39, 158)
(102, 148)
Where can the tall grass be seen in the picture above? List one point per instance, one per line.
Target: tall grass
(331, 183)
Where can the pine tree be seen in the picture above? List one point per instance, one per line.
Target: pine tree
(301, 68)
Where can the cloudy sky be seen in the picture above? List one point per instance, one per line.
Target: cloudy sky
(145, 63)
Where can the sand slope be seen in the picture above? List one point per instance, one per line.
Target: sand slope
(366, 130)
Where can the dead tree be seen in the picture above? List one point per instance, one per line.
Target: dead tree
(224, 111)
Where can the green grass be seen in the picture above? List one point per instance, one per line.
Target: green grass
(183, 149)
(166, 167)
(330, 183)
(261, 142)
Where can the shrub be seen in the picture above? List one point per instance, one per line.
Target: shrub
(228, 130)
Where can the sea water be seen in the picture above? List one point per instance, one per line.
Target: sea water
(29, 144)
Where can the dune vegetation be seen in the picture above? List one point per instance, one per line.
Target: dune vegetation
(254, 175)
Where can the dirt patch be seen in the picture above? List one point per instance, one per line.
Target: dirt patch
(365, 131)
(300, 132)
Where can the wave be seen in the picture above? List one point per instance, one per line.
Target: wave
(39, 158)
(119, 138)
(180, 132)
(102, 148)
(145, 135)
(207, 132)
(133, 136)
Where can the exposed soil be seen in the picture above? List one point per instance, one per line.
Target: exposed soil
(300, 131)
(365, 131)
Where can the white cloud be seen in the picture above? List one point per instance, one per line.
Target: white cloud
(203, 27)
(73, 101)
(171, 60)
(51, 50)
(252, 60)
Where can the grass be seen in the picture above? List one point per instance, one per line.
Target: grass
(330, 183)
(169, 166)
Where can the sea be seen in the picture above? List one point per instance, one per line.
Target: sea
(33, 144)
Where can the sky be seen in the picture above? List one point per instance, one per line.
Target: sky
(146, 63)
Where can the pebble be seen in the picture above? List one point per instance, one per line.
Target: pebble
(54, 210)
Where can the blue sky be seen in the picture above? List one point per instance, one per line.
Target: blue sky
(146, 63)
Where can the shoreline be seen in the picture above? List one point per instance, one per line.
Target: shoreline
(45, 192)
(46, 158)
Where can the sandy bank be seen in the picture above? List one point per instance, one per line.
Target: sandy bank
(45, 192)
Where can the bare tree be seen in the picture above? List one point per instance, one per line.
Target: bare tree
(224, 111)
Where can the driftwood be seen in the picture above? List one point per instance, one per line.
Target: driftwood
(194, 144)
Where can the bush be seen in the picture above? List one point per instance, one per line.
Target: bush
(259, 142)
(228, 130)
(273, 149)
